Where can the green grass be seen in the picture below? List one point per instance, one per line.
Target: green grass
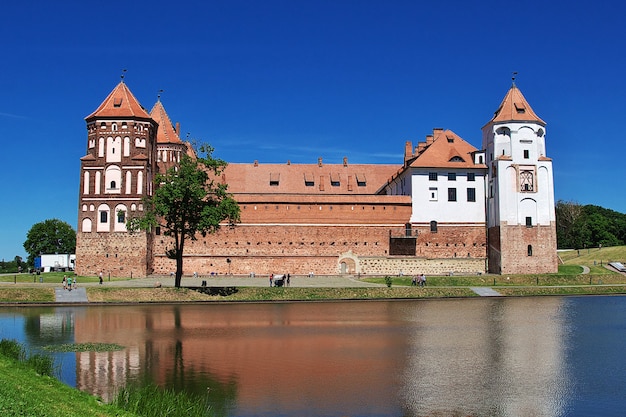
(151, 400)
(51, 278)
(84, 347)
(24, 392)
(27, 388)
(26, 295)
(594, 258)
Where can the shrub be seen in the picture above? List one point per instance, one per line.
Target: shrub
(388, 281)
(12, 349)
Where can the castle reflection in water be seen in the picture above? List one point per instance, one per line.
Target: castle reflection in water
(475, 357)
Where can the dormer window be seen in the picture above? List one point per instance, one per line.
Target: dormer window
(456, 159)
(450, 139)
(520, 108)
(117, 102)
(308, 180)
(360, 180)
(274, 179)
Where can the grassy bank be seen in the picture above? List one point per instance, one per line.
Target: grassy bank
(23, 392)
(115, 295)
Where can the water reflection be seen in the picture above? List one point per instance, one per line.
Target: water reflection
(487, 358)
(497, 357)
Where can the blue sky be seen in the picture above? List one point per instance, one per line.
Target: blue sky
(295, 80)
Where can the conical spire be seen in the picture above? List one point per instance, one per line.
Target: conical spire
(120, 103)
(166, 132)
(515, 108)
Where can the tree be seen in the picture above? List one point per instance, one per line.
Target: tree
(188, 200)
(49, 236)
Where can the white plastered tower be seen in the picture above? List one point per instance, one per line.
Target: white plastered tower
(520, 190)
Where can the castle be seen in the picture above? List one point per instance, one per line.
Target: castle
(448, 208)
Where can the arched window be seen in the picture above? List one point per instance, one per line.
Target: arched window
(86, 182)
(113, 177)
(530, 250)
(433, 226)
(120, 218)
(86, 226)
(103, 218)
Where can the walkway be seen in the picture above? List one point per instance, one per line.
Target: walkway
(485, 292)
(77, 295)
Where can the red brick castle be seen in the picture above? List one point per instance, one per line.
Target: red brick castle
(447, 208)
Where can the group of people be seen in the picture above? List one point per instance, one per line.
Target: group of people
(419, 279)
(280, 280)
(69, 283)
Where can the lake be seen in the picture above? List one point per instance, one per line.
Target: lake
(534, 356)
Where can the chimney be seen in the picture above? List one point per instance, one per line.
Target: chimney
(256, 163)
(319, 161)
(345, 161)
(408, 150)
(178, 128)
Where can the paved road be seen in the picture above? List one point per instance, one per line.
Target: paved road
(332, 281)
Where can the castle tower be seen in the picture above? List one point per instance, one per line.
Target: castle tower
(169, 146)
(115, 175)
(520, 191)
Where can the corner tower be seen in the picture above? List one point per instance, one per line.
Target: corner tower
(520, 191)
(115, 175)
(169, 146)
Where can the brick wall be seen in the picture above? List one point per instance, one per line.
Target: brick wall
(514, 253)
(412, 266)
(116, 254)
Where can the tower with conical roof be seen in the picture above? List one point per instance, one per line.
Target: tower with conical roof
(521, 220)
(169, 146)
(115, 175)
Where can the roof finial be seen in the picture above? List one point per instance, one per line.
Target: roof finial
(122, 76)
(159, 95)
(513, 77)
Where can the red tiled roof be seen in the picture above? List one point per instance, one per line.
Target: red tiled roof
(120, 103)
(447, 150)
(514, 107)
(166, 132)
(311, 179)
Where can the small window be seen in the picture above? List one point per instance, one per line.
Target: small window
(433, 227)
(471, 176)
(530, 250)
(121, 216)
(104, 217)
(451, 176)
(471, 194)
(274, 180)
(432, 176)
(526, 154)
(433, 193)
(450, 139)
(113, 184)
(451, 194)
(529, 221)
(157, 230)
